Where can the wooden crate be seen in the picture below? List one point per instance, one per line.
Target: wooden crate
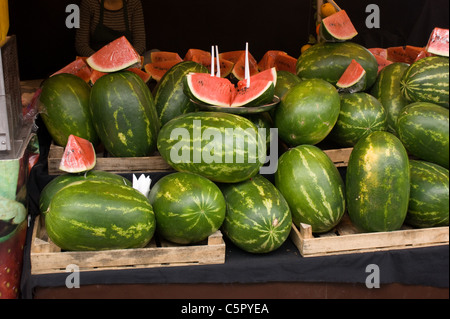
(48, 258)
(339, 156)
(346, 239)
(112, 164)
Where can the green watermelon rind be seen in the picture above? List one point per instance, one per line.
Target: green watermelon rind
(328, 61)
(423, 128)
(188, 207)
(429, 197)
(427, 80)
(124, 115)
(64, 108)
(378, 183)
(258, 219)
(220, 170)
(170, 99)
(312, 186)
(94, 215)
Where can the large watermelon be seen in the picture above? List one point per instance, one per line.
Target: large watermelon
(99, 215)
(312, 186)
(64, 108)
(188, 207)
(124, 114)
(220, 146)
(360, 115)
(424, 130)
(328, 61)
(60, 181)
(307, 112)
(170, 99)
(258, 218)
(387, 90)
(285, 81)
(426, 80)
(378, 183)
(429, 197)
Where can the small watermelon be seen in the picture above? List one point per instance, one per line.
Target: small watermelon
(116, 55)
(79, 155)
(188, 207)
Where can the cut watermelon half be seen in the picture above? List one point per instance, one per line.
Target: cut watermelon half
(337, 27)
(212, 90)
(353, 78)
(79, 155)
(115, 56)
(438, 42)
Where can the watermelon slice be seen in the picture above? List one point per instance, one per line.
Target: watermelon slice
(212, 90)
(159, 56)
(438, 42)
(353, 78)
(337, 27)
(158, 69)
(115, 56)
(285, 62)
(268, 59)
(79, 155)
(77, 67)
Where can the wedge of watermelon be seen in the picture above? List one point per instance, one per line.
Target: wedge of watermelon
(115, 56)
(79, 155)
(353, 78)
(438, 42)
(77, 67)
(337, 27)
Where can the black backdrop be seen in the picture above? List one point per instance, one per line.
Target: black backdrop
(45, 44)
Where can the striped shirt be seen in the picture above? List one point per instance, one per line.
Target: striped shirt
(114, 19)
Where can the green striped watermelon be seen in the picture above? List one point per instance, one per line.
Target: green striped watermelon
(64, 108)
(360, 115)
(285, 81)
(124, 114)
(387, 90)
(60, 181)
(426, 80)
(188, 207)
(221, 146)
(170, 99)
(99, 215)
(312, 186)
(429, 198)
(258, 218)
(378, 183)
(328, 61)
(424, 130)
(307, 112)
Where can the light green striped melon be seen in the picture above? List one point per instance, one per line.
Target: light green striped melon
(313, 187)
(258, 218)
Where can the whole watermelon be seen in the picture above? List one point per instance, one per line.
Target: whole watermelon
(378, 183)
(429, 197)
(360, 115)
(387, 90)
(99, 215)
(124, 114)
(312, 186)
(170, 100)
(63, 180)
(307, 113)
(258, 218)
(427, 80)
(64, 108)
(424, 130)
(329, 60)
(220, 146)
(188, 207)
(285, 81)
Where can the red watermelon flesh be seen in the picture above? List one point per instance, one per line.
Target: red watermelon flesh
(142, 74)
(244, 95)
(339, 26)
(438, 42)
(159, 56)
(77, 67)
(158, 69)
(268, 59)
(116, 55)
(79, 155)
(211, 89)
(352, 75)
(193, 52)
(266, 75)
(285, 62)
